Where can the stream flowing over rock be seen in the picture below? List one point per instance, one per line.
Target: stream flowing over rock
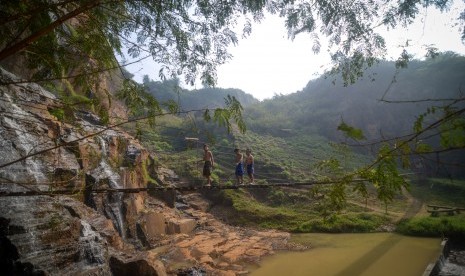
(105, 233)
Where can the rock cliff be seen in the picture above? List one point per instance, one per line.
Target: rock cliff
(75, 231)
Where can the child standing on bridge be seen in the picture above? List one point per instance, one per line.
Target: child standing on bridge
(208, 165)
(249, 164)
(239, 167)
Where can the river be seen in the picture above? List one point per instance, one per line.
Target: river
(380, 254)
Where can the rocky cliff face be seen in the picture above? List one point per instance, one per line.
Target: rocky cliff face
(78, 231)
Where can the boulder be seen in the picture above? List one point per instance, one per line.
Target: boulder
(181, 226)
(155, 224)
(137, 266)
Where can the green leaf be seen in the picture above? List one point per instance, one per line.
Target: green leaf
(59, 113)
(423, 148)
(405, 152)
(206, 115)
(403, 60)
(172, 106)
(418, 124)
(351, 132)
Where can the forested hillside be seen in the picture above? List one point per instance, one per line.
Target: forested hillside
(170, 90)
(384, 105)
(325, 102)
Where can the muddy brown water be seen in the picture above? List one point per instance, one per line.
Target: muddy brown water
(380, 254)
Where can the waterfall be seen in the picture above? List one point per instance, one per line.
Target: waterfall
(22, 143)
(103, 148)
(91, 247)
(114, 201)
(451, 269)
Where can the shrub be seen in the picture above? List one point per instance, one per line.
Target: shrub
(343, 224)
(452, 227)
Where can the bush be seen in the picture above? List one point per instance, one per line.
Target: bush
(451, 227)
(343, 224)
(277, 197)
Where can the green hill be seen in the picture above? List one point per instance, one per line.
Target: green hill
(295, 138)
(384, 105)
(194, 99)
(324, 102)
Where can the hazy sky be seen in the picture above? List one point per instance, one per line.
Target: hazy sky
(268, 63)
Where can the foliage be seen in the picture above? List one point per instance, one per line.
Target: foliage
(186, 37)
(54, 48)
(222, 116)
(138, 101)
(351, 132)
(385, 176)
(59, 113)
(387, 107)
(170, 90)
(190, 37)
(439, 191)
(452, 227)
(344, 223)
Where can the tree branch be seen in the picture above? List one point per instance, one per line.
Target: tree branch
(92, 135)
(47, 29)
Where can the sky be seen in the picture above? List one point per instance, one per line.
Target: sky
(267, 63)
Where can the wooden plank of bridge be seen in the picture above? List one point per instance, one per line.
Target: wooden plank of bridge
(157, 188)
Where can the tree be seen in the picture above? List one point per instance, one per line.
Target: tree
(188, 37)
(191, 37)
(74, 41)
(68, 44)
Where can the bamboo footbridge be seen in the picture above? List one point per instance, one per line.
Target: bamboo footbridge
(168, 188)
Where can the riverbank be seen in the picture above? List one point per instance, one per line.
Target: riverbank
(299, 212)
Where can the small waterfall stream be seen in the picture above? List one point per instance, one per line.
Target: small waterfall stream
(114, 204)
(91, 248)
(452, 259)
(23, 143)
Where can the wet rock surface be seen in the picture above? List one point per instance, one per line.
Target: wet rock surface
(454, 264)
(50, 238)
(105, 233)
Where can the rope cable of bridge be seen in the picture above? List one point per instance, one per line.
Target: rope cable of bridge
(187, 188)
(168, 188)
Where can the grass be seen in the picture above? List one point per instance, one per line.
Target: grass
(440, 191)
(445, 226)
(242, 208)
(437, 191)
(295, 158)
(345, 223)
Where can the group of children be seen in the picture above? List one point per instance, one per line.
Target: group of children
(239, 159)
